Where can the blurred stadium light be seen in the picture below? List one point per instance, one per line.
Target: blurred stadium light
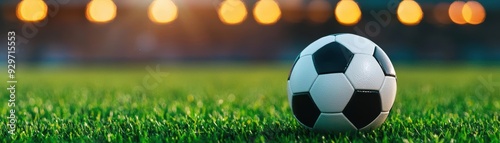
(409, 12)
(31, 10)
(473, 12)
(267, 12)
(198, 33)
(232, 12)
(162, 11)
(347, 12)
(455, 12)
(101, 11)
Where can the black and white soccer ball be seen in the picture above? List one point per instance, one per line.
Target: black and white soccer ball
(342, 82)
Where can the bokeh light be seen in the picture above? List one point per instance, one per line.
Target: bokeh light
(101, 11)
(162, 11)
(267, 12)
(455, 12)
(31, 10)
(293, 10)
(473, 12)
(441, 13)
(347, 12)
(319, 11)
(232, 12)
(409, 12)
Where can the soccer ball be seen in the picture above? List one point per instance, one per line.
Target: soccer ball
(342, 82)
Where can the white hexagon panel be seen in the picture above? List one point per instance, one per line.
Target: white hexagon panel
(365, 73)
(388, 93)
(331, 92)
(303, 75)
(356, 44)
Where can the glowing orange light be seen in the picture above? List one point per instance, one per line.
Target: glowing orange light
(409, 12)
(455, 12)
(101, 11)
(319, 11)
(162, 11)
(232, 12)
(31, 10)
(267, 12)
(473, 12)
(347, 12)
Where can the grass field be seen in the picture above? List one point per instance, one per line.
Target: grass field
(238, 103)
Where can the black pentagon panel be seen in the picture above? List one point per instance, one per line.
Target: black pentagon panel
(305, 109)
(332, 58)
(293, 66)
(384, 62)
(363, 108)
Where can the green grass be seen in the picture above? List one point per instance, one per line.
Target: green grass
(242, 103)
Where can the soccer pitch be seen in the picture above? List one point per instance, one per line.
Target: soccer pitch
(238, 103)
